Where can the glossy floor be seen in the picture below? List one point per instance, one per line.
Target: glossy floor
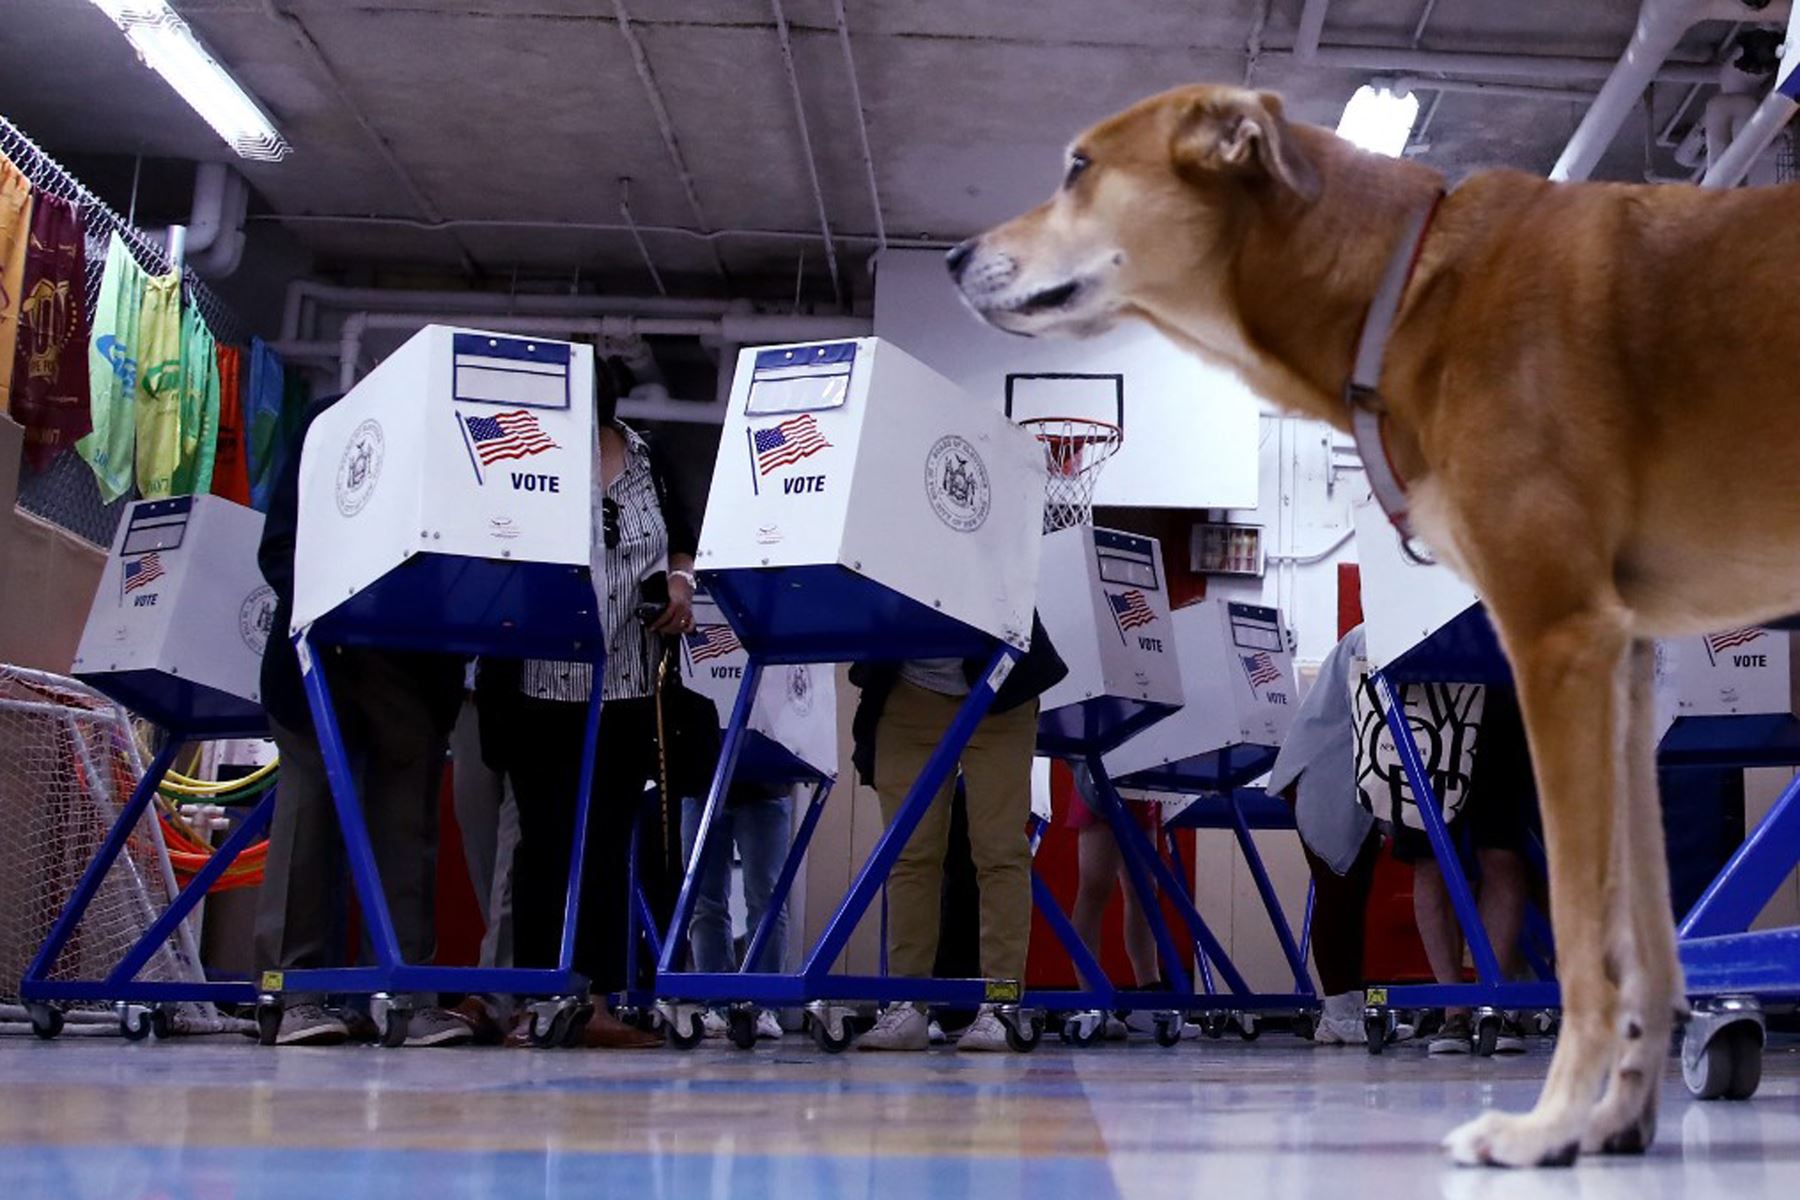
(1278, 1118)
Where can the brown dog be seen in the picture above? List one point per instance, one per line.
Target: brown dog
(1589, 395)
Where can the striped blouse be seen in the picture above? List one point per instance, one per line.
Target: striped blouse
(646, 538)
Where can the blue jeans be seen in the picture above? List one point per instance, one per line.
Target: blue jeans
(761, 829)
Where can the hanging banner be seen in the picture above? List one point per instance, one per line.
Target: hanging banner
(50, 369)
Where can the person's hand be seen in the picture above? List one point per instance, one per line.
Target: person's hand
(678, 617)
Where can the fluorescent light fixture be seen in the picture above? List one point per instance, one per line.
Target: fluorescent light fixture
(1379, 119)
(168, 46)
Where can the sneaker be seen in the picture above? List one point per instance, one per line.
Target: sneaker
(713, 1025)
(899, 1027)
(1456, 1037)
(436, 1027)
(1511, 1039)
(986, 1034)
(1141, 1021)
(1115, 1029)
(936, 1035)
(768, 1029)
(311, 1025)
(1341, 1021)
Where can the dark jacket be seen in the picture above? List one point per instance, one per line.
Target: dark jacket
(1037, 671)
(440, 676)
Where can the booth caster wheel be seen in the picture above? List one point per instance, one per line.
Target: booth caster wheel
(1487, 1031)
(391, 1019)
(1213, 1025)
(682, 1024)
(1378, 1028)
(647, 1019)
(1168, 1028)
(140, 1021)
(268, 1019)
(1024, 1028)
(740, 1025)
(830, 1027)
(1305, 1025)
(46, 1020)
(558, 1022)
(1249, 1028)
(1722, 1049)
(1083, 1028)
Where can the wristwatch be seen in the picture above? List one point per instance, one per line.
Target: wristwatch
(692, 582)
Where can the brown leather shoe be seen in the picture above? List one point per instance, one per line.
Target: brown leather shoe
(483, 1025)
(519, 1036)
(606, 1032)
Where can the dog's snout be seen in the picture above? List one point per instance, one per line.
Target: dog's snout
(958, 256)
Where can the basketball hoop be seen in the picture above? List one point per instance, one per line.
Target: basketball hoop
(1074, 450)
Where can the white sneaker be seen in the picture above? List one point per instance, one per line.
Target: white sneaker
(1142, 1021)
(899, 1027)
(768, 1029)
(1115, 1030)
(311, 1025)
(986, 1034)
(1341, 1021)
(713, 1025)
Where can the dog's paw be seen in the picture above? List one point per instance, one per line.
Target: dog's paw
(1513, 1140)
(1609, 1132)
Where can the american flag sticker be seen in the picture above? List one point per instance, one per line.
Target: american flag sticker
(1130, 610)
(503, 436)
(1718, 643)
(785, 444)
(710, 641)
(1260, 669)
(142, 572)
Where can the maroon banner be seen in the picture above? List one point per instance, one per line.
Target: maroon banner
(50, 367)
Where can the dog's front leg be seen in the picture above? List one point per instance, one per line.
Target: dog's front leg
(1650, 987)
(1572, 679)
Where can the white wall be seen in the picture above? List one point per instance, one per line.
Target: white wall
(1190, 428)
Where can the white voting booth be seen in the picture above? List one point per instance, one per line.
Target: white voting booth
(1425, 614)
(445, 501)
(1238, 677)
(794, 717)
(1104, 601)
(177, 627)
(863, 506)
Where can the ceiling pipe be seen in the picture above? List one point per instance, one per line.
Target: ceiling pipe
(207, 219)
(1551, 67)
(1477, 87)
(221, 256)
(784, 37)
(305, 294)
(1310, 29)
(1661, 25)
(862, 123)
(1767, 122)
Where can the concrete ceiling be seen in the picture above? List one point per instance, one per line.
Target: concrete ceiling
(427, 131)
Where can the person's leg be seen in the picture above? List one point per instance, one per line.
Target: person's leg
(1098, 864)
(406, 753)
(911, 725)
(1505, 886)
(293, 905)
(545, 770)
(1340, 903)
(709, 934)
(476, 793)
(997, 776)
(621, 769)
(763, 830)
(497, 943)
(1140, 942)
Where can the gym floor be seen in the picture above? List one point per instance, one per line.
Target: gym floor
(219, 1117)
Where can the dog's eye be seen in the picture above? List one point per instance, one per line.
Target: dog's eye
(1078, 163)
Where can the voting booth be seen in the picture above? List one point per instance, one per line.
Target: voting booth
(1104, 601)
(1238, 677)
(446, 501)
(792, 735)
(177, 627)
(864, 506)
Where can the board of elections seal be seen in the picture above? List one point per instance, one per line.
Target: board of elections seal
(360, 468)
(256, 617)
(800, 689)
(956, 483)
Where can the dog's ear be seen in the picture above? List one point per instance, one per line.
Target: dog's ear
(1241, 133)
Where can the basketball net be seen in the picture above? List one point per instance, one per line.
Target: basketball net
(1074, 450)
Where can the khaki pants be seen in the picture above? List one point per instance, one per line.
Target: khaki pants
(996, 769)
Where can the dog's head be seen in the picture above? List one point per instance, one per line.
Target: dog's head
(1149, 207)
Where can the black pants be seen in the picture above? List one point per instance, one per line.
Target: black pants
(543, 760)
(1339, 905)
